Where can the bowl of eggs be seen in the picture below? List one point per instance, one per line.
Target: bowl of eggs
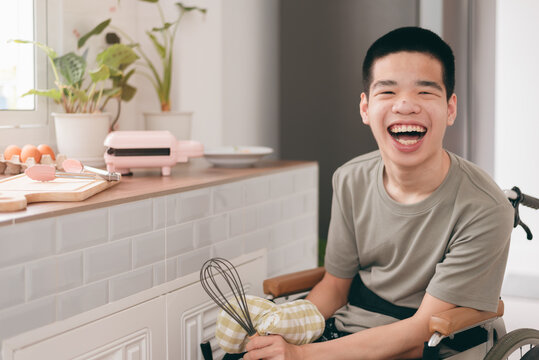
(15, 159)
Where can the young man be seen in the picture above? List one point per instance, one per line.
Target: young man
(412, 226)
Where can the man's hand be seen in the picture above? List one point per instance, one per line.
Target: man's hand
(272, 347)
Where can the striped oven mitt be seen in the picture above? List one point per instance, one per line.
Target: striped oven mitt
(298, 322)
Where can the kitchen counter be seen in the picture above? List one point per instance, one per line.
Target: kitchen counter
(142, 241)
(198, 173)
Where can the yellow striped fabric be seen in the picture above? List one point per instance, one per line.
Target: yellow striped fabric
(298, 322)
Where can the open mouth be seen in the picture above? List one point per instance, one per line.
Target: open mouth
(407, 134)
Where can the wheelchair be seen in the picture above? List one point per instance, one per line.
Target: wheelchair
(460, 322)
(473, 334)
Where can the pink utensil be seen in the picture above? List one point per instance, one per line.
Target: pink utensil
(42, 172)
(76, 167)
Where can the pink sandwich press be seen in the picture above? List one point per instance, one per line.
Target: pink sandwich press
(143, 149)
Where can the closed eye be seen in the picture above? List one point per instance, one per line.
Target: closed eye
(429, 93)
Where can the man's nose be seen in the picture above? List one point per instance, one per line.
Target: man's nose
(405, 106)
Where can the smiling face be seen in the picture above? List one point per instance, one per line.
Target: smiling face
(407, 108)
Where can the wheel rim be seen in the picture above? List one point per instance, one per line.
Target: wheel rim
(515, 345)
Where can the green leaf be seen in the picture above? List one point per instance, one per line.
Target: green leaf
(101, 74)
(71, 66)
(164, 28)
(190, 8)
(150, 1)
(49, 51)
(95, 31)
(54, 94)
(117, 55)
(79, 95)
(158, 46)
(111, 92)
(128, 75)
(128, 92)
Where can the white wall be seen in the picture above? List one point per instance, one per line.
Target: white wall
(225, 66)
(251, 72)
(516, 129)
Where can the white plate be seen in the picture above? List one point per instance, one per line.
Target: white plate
(236, 156)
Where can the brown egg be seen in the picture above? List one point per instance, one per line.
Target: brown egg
(12, 150)
(45, 149)
(30, 151)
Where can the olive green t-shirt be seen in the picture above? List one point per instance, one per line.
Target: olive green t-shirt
(453, 244)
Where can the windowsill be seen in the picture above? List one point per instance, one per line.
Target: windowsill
(149, 183)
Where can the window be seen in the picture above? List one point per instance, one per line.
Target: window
(22, 67)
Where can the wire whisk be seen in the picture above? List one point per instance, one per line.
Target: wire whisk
(209, 273)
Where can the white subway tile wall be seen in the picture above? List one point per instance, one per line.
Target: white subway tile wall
(83, 230)
(27, 241)
(159, 212)
(12, 283)
(148, 248)
(59, 267)
(52, 275)
(131, 283)
(104, 261)
(159, 273)
(131, 218)
(82, 299)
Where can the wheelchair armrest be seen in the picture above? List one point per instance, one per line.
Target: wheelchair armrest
(461, 318)
(293, 283)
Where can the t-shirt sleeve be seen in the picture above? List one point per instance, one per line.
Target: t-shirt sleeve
(472, 271)
(341, 259)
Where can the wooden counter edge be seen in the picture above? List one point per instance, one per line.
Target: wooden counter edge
(125, 192)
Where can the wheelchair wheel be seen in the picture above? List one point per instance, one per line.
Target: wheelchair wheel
(518, 344)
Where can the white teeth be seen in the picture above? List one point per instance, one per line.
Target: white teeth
(407, 142)
(407, 128)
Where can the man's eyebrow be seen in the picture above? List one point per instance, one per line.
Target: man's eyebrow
(384, 83)
(427, 83)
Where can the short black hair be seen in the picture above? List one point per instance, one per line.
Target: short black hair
(411, 39)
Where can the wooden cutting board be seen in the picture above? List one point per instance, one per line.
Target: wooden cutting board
(18, 191)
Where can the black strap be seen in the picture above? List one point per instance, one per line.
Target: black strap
(363, 297)
(205, 347)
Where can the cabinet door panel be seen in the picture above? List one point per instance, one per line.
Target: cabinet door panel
(137, 333)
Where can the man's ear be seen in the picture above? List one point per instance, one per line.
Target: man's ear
(451, 110)
(364, 108)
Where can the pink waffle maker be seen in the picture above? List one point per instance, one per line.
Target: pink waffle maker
(143, 149)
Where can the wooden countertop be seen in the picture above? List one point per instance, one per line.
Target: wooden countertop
(198, 173)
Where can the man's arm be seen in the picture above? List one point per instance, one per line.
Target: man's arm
(402, 339)
(330, 294)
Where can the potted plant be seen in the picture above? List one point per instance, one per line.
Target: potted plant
(82, 127)
(159, 74)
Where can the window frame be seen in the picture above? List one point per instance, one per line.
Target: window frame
(39, 116)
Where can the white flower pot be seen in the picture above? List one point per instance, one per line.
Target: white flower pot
(81, 136)
(178, 123)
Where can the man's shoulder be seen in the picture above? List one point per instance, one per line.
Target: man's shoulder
(362, 164)
(357, 172)
(477, 185)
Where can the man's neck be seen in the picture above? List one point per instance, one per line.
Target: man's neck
(412, 185)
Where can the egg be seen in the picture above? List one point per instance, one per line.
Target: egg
(12, 150)
(45, 149)
(30, 151)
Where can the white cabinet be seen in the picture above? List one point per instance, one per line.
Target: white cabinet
(137, 333)
(165, 322)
